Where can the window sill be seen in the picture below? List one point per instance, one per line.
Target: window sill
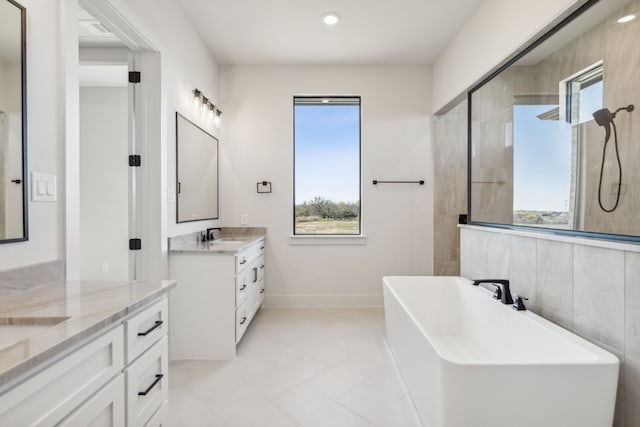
(359, 239)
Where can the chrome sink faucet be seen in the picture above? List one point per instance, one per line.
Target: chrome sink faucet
(502, 289)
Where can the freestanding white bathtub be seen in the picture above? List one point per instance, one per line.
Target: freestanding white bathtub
(470, 361)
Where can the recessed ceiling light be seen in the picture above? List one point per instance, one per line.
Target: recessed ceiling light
(325, 101)
(331, 18)
(627, 18)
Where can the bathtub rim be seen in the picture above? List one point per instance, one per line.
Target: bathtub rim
(602, 357)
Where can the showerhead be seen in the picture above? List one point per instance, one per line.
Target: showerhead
(604, 118)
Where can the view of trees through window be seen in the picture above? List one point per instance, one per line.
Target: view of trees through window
(327, 165)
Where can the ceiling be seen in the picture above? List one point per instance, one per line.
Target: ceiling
(259, 32)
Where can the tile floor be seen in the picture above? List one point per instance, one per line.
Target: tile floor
(311, 367)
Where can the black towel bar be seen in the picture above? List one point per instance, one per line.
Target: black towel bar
(376, 182)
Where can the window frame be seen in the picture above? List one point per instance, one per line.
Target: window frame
(293, 128)
(574, 85)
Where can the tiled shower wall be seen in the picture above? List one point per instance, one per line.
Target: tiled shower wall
(450, 187)
(590, 290)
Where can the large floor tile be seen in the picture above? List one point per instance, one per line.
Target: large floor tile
(339, 379)
(315, 367)
(311, 408)
(246, 408)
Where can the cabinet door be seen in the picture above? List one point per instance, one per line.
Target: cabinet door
(103, 409)
(50, 396)
(147, 384)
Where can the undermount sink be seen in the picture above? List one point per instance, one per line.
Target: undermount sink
(31, 320)
(230, 240)
(16, 330)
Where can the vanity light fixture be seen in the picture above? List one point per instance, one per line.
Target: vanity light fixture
(331, 18)
(627, 18)
(197, 96)
(218, 119)
(207, 106)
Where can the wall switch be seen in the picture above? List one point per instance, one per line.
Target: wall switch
(43, 187)
(171, 195)
(105, 267)
(244, 219)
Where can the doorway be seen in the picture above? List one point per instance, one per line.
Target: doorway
(107, 199)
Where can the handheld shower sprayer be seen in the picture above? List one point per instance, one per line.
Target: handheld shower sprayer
(605, 118)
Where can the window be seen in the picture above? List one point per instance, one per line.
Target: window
(326, 166)
(585, 95)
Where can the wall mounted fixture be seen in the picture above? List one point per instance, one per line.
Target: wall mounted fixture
(264, 187)
(207, 106)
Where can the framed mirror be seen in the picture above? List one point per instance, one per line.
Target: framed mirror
(196, 172)
(13, 123)
(554, 135)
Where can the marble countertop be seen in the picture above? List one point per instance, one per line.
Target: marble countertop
(41, 323)
(232, 241)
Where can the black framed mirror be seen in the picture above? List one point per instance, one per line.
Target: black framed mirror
(13, 123)
(196, 172)
(554, 134)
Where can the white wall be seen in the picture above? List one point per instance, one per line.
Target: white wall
(45, 134)
(397, 220)
(495, 31)
(185, 64)
(104, 183)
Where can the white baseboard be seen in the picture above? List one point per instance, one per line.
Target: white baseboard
(323, 301)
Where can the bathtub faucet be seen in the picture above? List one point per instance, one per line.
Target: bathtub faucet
(502, 289)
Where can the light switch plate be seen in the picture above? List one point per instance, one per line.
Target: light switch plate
(43, 187)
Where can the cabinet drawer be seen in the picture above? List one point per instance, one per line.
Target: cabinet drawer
(242, 287)
(146, 328)
(260, 296)
(246, 256)
(105, 408)
(242, 320)
(160, 417)
(147, 384)
(50, 396)
(261, 267)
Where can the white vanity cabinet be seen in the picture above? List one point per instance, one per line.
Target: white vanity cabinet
(218, 296)
(118, 377)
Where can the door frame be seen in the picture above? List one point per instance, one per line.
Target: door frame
(147, 263)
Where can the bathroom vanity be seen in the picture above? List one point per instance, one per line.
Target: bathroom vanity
(222, 288)
(85, 353)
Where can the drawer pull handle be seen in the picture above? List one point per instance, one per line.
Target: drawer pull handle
(243, 287)
(255, 274)
(262, 267)
(261, 247)
(153, 384)
(244, 319)
(243, 262)
(262, 291)
(151, 329)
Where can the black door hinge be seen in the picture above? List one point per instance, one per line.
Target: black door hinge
(134, 76)
(135, 244)
(135, 160)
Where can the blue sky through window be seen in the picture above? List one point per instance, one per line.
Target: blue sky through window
(542, 160)
(327, 152)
